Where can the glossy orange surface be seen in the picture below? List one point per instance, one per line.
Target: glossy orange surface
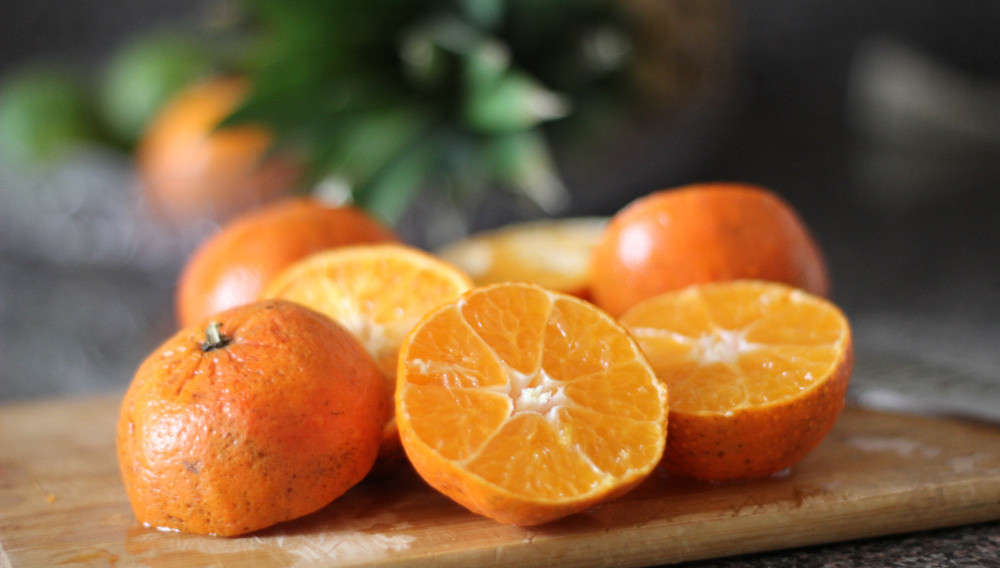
(273, 419)
(232, 266)
(702, 233)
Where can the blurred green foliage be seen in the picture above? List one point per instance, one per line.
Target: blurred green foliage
(45, 112)
(144, 74)
(385, 99)
(391, 97)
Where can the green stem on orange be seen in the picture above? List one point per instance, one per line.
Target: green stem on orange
(214, 338)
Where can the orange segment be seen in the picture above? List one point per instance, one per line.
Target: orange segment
(527, 405)
(378, 292)
(757, 374)
(554, 253)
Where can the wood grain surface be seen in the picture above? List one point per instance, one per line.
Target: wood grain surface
(62, 504)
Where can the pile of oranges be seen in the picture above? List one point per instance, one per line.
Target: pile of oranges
(527, 373)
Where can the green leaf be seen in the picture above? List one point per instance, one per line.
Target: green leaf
(512, 103)
(524, 163)
(479, 59)
(144, 74)
(375, 139)
(424, 62)
(389, 194)
(487, 14)
(45, 112)
(485, 66)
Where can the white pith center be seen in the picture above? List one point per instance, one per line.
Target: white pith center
(721, 346)
(538, 393)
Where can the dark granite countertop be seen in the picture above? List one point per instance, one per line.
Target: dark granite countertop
(968, 546)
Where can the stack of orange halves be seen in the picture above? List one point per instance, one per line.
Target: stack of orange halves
(525, 381)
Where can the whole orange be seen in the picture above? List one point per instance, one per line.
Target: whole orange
(264, 413)
(703, 233)
(190, 168)
(232, 266)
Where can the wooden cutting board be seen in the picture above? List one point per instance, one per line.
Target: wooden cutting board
(62, 504)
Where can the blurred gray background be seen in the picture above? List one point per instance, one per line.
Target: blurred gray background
(878, 120)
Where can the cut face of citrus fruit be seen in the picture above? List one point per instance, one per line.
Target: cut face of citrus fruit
(703, 233)
(526, 405)
(757, 373)
(378, 292)
(553, 253)
(264, 413)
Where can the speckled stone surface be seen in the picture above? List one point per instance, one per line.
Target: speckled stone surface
(969, 546)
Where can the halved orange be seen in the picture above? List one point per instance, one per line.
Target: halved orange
(378, 292)
(526, 405)
(554, 253)
(757, 372)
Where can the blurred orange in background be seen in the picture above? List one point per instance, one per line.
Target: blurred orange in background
(191, 167)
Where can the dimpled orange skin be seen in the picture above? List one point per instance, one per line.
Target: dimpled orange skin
(273, 425)
(702, 233)
(232, 266)
(707, 447)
